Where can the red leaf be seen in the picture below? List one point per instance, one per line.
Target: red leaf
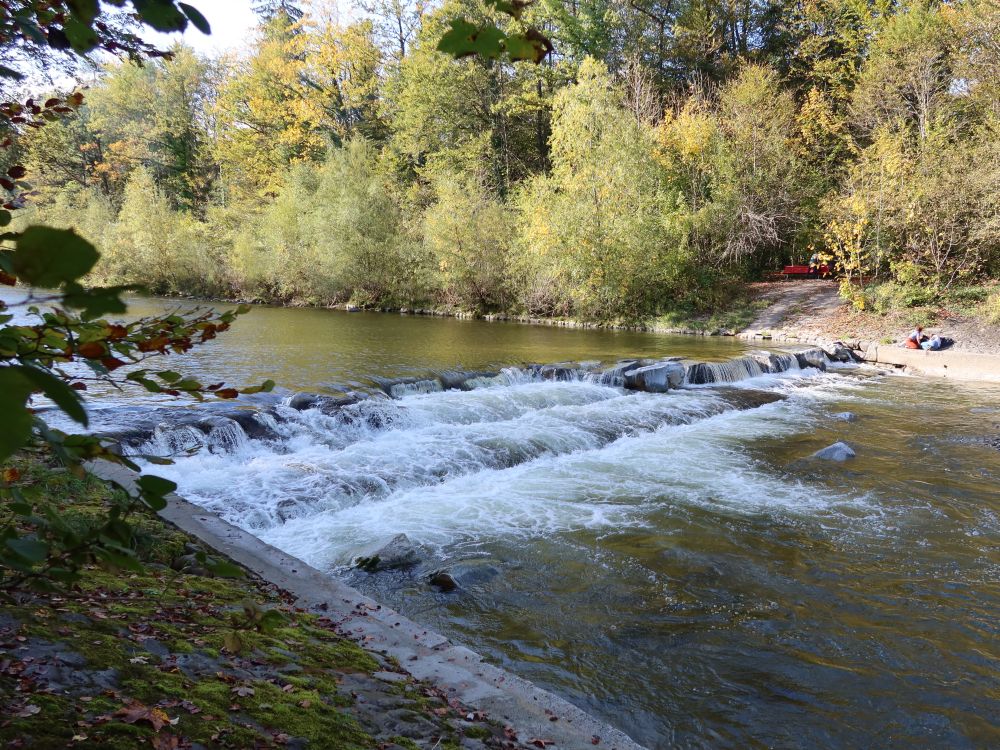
(17, 172)
(91, 350)
(112, 363)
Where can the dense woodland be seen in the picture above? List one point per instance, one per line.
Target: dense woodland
(664, 152)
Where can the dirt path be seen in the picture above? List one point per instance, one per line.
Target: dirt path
(797, 304)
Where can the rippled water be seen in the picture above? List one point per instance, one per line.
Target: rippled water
(674, 563)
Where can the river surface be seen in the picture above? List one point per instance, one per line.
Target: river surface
(675, 563)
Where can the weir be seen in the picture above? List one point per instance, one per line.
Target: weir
(340, 421)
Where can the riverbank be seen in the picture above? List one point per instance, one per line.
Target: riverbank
(177, 658)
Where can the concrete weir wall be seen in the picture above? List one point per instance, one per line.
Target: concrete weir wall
(948, 364)
(426, 655)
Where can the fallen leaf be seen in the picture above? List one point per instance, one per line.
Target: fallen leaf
(29, 710)
(135, 712)
(243, 690)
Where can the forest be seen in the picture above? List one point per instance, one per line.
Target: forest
(664, 153)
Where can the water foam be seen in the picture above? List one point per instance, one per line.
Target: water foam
(517, 456)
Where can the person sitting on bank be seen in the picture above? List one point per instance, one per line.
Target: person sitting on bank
(915, 339)
(814, 265)
(932, 344)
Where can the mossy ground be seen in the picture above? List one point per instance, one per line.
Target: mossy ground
(171, 660)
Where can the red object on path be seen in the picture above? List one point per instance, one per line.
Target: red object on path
(803, 271)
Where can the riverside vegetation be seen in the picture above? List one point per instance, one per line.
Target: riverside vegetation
(660, 156)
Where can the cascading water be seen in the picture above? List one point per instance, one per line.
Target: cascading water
(320, 461)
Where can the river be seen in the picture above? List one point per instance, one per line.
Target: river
(675, 563)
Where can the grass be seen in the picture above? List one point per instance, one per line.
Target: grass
(735, 315)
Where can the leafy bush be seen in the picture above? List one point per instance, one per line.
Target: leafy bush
(991, 307)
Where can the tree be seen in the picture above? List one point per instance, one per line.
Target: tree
(596, 236)
(470, 234)
(396, 23)
(770, 184)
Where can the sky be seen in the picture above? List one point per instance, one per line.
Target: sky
(232, 23)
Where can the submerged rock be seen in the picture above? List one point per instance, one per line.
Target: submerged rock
(748, 398)
(656, 378)
(846, 416)
(398, 552)
(443, 580)
(463, 575)
(837, 452)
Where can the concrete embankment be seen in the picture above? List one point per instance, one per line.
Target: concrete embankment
(957, 365)
(530, 711)
(947, 364)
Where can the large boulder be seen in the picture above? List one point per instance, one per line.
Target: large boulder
(326, 404)
(772, 361)
(657, 378)
(457, 379)
(839, 353)
(837, 452)
(254, 428)
(398, 552)
(814, 357)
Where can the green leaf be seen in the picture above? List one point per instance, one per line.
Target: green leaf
(195, 16)
(162, 15)
(85, 10)
(15, 389)
(95, 302)
(154, 489)
(529, 47)
(80, 35)
(464, 39)
(61, 394)
(118, 560)
(168, 376)
(5, 217)
(48, 257)
(31, 550)
(532, 45)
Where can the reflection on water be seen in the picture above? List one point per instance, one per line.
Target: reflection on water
(673, 563)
